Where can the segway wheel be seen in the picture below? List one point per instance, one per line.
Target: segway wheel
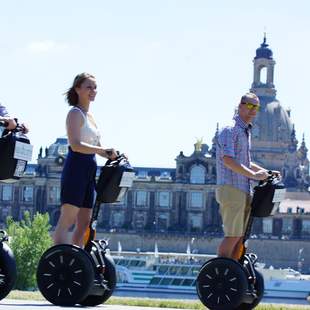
(65, 275)
(8, 272)
(260, 288)
(221, 284)
(109, 276)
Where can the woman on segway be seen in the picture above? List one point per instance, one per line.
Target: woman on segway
(78, 176)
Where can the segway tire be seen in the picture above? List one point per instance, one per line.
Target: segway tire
(221, 284)
(65, 274)
(8, 273)
(260, 288)
(110, 277)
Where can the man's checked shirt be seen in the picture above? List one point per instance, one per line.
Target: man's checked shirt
(235, 142)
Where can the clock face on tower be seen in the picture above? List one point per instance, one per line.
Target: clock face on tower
(60, 160)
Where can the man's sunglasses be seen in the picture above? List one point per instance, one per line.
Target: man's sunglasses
(252, 106)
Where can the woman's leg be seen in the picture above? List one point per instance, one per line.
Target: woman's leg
(81, 224)
(68, 215)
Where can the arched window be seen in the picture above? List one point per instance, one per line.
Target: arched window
(197, 174)
(263, 75)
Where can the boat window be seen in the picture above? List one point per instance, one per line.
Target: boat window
(187, 282)
(122, 262)
(184, 271)
(155, 281)
(162, 269)
(134, 263)
(195, 271)
(173, 270)
(165, 281)
(177, 281)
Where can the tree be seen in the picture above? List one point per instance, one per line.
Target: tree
(29, 239)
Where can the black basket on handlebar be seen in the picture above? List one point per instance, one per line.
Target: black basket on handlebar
(267, 197)
(15, 152)
(115, 179)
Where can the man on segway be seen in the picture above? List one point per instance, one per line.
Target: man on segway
(230, 281)
(234, 172)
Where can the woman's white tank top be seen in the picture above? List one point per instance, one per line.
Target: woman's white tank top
(89, 133)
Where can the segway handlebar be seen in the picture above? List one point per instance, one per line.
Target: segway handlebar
(119, 158)
(18, 128)
(273, 177)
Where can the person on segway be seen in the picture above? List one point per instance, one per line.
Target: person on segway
(79, 172)
(82, 271)
(234, 172)
(11, 168)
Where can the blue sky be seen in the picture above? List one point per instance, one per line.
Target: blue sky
(167, 71)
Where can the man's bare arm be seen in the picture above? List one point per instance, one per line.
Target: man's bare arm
(256, 167)
(231, 164)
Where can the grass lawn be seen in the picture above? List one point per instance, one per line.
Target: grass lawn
(146, 302)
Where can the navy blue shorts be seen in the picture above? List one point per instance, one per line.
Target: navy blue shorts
(78, 180)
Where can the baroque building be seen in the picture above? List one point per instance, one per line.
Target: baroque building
(274, 143)
(182, 199)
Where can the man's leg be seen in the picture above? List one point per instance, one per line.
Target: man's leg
(229, 247)
(232, 208)
(236, 254)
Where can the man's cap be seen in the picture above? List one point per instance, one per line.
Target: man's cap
(249, 98)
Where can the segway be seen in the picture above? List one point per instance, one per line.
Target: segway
(69, 275)
(227, 284)
(15, 152)
(8, 272)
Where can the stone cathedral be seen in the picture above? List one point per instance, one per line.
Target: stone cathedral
(274, 142)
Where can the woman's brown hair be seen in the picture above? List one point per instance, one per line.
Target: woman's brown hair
(71, 95)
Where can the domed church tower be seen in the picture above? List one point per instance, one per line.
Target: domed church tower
(272, 129)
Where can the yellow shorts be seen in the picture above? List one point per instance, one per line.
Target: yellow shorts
(235, 208)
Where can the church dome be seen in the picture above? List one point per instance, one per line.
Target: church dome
(272, 123)
(58, 148)
(263, 51)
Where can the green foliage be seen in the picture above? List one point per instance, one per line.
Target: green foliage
(29, 239)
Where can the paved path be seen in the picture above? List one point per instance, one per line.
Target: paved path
(14, 304)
